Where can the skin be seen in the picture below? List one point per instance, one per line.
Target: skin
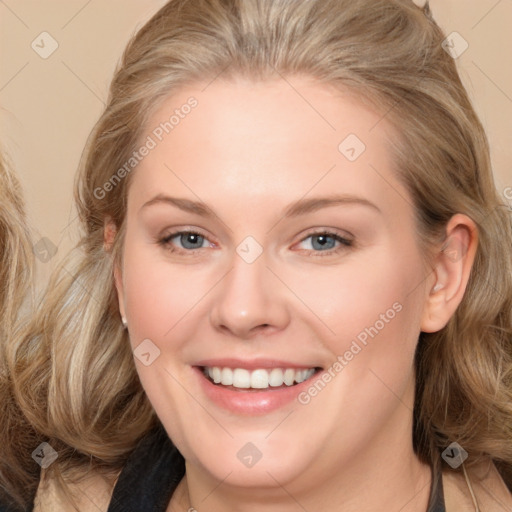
(249, 150)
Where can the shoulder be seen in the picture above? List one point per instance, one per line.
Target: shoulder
(490, 491)
(91, 494)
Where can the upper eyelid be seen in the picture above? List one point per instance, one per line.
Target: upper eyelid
(172, 233)
(330, 231)
(341, 239)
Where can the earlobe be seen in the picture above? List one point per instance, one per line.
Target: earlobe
(452, 270)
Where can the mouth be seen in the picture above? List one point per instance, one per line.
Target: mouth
(253, 387)
(259, 379)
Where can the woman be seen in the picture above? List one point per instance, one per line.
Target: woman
(16, 262)
(294, 266)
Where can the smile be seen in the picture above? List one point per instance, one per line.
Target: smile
(253, 387)
(260, 378)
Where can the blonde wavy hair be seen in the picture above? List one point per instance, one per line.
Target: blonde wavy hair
(16, 294)
(73, 369)
(15, 248)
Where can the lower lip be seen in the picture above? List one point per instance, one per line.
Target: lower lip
(251, 402)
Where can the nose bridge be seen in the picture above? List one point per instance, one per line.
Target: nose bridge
(249, 297)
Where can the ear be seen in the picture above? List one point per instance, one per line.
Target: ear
(109, 234)
(452, 270)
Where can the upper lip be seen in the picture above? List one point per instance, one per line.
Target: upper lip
(253, 364)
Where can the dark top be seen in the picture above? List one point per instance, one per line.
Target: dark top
(150, 476)
(155, 468)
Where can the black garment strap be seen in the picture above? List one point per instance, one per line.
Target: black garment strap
(150, 475)
(436, 500)
(9, 507)
(4, 507)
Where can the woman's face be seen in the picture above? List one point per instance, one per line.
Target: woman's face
(303, 258)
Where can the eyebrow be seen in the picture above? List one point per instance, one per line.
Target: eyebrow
(300, 207)
(313, 204)
(186, 205)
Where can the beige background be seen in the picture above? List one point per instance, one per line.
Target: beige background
(48, 106)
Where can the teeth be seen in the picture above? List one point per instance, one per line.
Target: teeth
(257, 379)
(241, 378)
(289, 376)
(227, 376)
(217, 375)
(276, 377)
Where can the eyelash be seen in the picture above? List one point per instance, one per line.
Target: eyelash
(165, 242)
(345, 243)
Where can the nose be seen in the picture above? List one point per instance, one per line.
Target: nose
(250, 300)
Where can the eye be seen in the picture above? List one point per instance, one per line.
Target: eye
(184, 241)
(325, 242)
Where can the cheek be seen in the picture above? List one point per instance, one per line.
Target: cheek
(372, 307)
(158, 294)
(375, 312)
(372, 291)
(159, 300)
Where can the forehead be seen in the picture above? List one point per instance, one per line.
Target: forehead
(242, 141)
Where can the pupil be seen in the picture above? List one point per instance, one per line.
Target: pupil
(191, 239)
(322, 240)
